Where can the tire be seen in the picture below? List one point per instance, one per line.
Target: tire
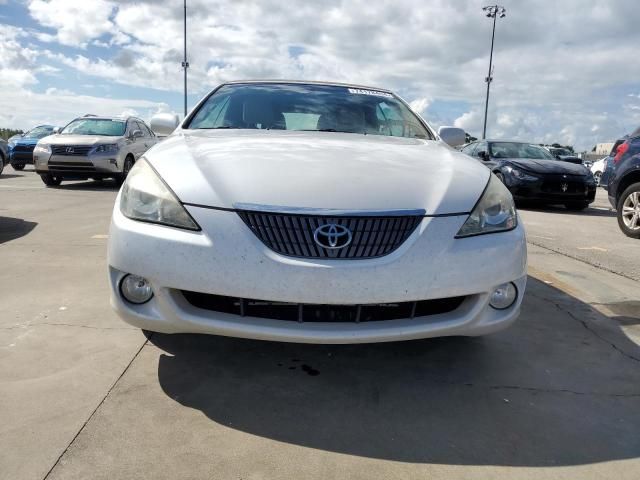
(576, 206)
(126, 168)
(1, 164)
(628, 211)
(597, 176)
(51, 181)
(18, 166)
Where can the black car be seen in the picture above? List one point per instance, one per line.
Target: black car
(624, 184)
(565, 155)
(3, 154)
(532, 174)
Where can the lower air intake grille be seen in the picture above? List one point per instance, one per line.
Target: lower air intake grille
(293, 234)
(299, 312)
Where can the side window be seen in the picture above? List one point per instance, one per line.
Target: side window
(469, 149)
(140, 126)
(481, 147)
(147, 130)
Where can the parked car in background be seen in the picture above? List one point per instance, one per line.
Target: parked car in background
(313, 212)
(93, 147)
(565, 155)
(532, 174)
(20, 147)
(3, 154)
(598, 168)
(624, 184)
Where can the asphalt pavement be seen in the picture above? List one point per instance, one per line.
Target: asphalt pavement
(85, 396)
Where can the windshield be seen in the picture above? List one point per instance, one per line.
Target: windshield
(560, 151)
(96, 126)
(38, 132)
(309, 108)
(519, 150)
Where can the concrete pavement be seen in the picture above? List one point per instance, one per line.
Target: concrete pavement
(85, 396)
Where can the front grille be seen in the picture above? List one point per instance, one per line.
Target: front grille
(71, 150)
(566, 187)
(71, 167)
(298, 312)
(23, 148)
(293, 234)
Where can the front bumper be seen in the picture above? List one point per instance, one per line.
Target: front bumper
(226, 258)
(20, 157)
(552, 190)
(81, 167)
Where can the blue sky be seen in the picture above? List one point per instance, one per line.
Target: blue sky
(565, 74)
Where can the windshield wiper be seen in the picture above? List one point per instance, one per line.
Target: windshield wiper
(215, 128)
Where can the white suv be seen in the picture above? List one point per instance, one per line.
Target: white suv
(92, 147)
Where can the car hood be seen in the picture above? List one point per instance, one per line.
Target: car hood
(25, 141)
(547, 166)
(79, 139)
(228, 168)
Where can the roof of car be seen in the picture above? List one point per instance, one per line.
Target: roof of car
(310, 82)
(102, 117)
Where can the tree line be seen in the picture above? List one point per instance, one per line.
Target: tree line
(7, 133)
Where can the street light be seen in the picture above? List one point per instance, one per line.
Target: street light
(491, 11)
(185, 64)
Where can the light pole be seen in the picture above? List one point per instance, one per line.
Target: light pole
(492, 11)
(185, 64)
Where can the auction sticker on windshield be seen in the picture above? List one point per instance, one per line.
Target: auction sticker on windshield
(359, 91)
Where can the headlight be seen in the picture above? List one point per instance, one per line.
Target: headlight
(107, 148)
(11, 143)
(43, 148)
(519, 174)
(494, 212)
(145, 197)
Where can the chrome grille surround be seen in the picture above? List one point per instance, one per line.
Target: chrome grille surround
(291, 232)
(76, 150)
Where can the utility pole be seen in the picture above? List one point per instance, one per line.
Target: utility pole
(492, 11)
(185, 64)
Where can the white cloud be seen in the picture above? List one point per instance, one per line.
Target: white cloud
(419, 105)
(76, 21)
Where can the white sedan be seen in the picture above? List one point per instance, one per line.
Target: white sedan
(313, 212)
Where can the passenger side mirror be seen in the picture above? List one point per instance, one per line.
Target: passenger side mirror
(137, 134)
(164, 124)
(483, 155)
(56, 130)
(452, 135)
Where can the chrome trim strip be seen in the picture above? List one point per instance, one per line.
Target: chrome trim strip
(328, 212)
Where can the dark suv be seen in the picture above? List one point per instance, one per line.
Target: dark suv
(624, 185)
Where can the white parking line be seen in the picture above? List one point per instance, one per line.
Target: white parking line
(599, 249)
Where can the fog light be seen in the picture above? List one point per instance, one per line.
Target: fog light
(135, 289)
(503, 296)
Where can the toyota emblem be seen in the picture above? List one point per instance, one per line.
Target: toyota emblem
(332, 236)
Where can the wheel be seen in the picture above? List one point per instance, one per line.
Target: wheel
(126, 168)
(51, 181)
(18, 166)
(576, 206)
(597, 176)
(628, 211)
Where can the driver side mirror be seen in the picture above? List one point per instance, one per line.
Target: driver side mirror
(483, 155)
(163, 124)
(136, 134)
(452, 135)
(56, 130)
